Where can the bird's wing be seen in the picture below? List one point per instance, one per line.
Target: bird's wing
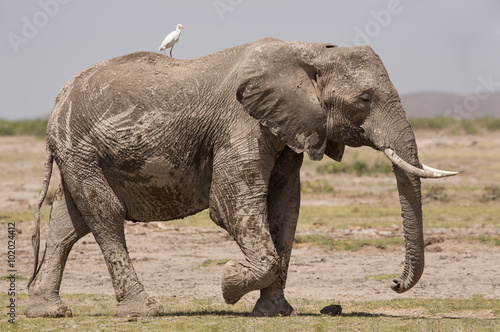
(168, 41)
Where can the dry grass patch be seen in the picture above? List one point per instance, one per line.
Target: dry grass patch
(97, 313)
(214, 262)
(324, 241)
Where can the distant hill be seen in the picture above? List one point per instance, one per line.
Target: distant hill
(437, 104)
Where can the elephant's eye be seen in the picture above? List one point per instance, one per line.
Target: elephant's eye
(365, 97)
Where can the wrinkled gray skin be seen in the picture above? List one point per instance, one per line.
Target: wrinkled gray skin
(146, 137)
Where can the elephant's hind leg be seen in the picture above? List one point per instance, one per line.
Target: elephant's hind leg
(66, 226)
(104, 214)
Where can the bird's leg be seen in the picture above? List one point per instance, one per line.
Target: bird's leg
(171, 51)
(164, 52)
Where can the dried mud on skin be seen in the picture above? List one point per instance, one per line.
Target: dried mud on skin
(168, 259)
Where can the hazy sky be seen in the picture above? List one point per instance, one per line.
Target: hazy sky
(426, 45)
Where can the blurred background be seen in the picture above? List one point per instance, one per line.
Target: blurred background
(443, 57)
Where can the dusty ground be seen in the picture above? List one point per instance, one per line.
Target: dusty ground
(168, 258)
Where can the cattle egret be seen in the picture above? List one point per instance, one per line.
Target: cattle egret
(171, 39)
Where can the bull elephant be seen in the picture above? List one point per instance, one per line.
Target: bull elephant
(145, 137)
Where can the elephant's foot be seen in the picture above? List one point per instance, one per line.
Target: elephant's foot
(41, 306)
(237, 279)
(139, 305)
(273, 303)
(235, 282)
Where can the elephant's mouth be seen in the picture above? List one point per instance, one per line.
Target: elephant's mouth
(422, 172)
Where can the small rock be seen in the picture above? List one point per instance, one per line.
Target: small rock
(332, 310)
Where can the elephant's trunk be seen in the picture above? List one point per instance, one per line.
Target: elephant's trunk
(411, 211)
(397, 141)
(389, 131)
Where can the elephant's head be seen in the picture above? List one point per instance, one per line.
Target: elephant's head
(318, 98)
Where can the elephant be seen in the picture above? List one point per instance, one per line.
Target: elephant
(144, 137)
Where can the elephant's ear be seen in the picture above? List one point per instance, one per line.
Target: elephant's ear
(277, 86)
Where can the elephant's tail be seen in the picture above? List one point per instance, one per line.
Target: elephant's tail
(35, 238)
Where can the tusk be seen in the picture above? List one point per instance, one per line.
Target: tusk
(445, 173)
(424, 172)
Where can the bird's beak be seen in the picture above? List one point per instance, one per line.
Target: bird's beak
(181, 27)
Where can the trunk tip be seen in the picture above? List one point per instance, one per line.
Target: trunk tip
(397, 285)
(400, 286)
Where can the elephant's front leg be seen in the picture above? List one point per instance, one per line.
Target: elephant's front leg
(283, 206)
(238, 203)
(260, 270)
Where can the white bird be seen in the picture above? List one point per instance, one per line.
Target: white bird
(171, 39)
